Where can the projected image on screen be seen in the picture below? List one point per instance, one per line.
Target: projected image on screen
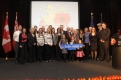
(44, 13)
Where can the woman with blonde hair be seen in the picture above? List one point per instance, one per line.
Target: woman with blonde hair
(40, 44)
(48, 45)
(93, 44)
(31, 45)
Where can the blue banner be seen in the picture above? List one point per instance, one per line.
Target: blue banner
(71, 46)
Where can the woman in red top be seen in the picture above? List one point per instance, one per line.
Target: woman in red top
(23, 46)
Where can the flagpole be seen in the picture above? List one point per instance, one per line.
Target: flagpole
(16, 13)
(6, 53)
(92, 15)
(101, 17)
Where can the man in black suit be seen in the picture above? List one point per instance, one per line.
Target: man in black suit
(99, 25)
(62, 31)
(104, 38)
(68, 34)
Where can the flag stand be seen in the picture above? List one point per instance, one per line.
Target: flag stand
(6, 57)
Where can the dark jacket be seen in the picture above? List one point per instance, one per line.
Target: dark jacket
(105, 34)
(31, 40)
(67, 36)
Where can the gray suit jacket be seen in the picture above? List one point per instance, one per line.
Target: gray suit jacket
(55, 38)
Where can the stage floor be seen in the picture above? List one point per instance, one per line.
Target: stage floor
(55, 70)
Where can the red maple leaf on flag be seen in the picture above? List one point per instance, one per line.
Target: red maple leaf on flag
(6, 36)
(6, 42)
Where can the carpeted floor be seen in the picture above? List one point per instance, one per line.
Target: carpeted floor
(54, 70)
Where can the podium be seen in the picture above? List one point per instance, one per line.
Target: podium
(116, 51)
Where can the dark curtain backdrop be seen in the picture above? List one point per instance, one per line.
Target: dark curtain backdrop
(110, 9)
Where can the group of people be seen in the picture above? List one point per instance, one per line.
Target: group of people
(38, 44)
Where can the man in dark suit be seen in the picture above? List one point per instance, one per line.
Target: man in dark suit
(99, 25)
(104, 38)
(62, 31)
(68, 34)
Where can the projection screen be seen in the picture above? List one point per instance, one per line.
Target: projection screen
(55, 13)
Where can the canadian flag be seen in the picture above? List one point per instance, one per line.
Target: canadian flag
(6, 42)
(15, 29)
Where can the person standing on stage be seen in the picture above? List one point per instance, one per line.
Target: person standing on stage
(104, 38)
(99, 25)
(48, 45)
(68, 37)
(79, 53)
(87, 43)
(54, 39)
(93, 44)
(67, 34)
(64, 51)
(23, 46)
(72, 52)
(31, 45)
(40, 43)
(58, 50)
(16, 39)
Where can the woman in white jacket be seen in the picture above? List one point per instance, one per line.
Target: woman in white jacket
(40, 43)
(48, 45)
